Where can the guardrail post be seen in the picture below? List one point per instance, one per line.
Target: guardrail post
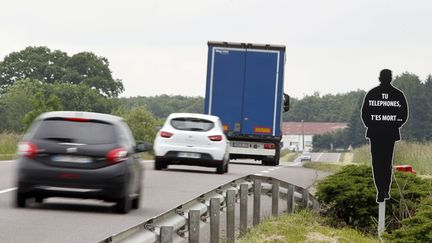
(166, 234)
(230, 224)
(275, 198)
(305, 198)
(290, 199)
(244, 190)
(315, 205)
(194, 225)
(256, 202)
(214, 220)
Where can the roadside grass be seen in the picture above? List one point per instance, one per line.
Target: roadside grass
(8, 144)
(323, 166)
(147, 156)
(303, 226)
(288, 156)
(346, 158)
(419, 155)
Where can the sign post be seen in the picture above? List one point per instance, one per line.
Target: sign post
(381, 218)
(384, 111)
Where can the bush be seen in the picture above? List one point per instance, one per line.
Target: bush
(417, 228)
(350, 196)
(141, 122)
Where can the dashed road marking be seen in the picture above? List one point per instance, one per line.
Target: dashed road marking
(265, 171)
(258, 174)
(8, 190)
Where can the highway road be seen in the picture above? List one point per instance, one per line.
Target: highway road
(320, 157)
(76, 220)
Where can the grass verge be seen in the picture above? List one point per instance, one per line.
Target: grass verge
(8, 144)
(419, 155)
(147, 156)
(288, 156)
(301, 227)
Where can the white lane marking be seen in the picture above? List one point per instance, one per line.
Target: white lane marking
(265, 171)
(8, 190)
(258, 174)
(272, 169)
(6, 161)
(319, 156)
(147, 161)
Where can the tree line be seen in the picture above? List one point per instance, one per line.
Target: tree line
(418, 128)
(37, 79)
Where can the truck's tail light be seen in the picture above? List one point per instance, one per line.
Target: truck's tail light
(215, 138)
(269, 146)
(116, 155)
(27, 149)
(165, 134)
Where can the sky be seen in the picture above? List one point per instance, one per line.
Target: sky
(160, 47)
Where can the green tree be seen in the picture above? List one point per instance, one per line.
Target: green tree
(331, 140)
(17, 102)
(87, 68)
(40, 63)
(40, 105)
(20, 99)
(356, 131)
(327, 108)
(141, 122)
(79, 97)
(163, 105)
(418, 102)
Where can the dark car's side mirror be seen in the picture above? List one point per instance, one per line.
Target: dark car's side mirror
(286, 104)
(142, 147)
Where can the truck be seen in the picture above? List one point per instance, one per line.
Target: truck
(244, 88)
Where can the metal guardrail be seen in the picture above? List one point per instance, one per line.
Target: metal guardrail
(185, 221)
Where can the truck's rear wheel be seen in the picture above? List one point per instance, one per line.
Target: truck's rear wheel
(274, 161)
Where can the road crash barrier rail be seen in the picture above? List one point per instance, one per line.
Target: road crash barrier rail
(183, 223)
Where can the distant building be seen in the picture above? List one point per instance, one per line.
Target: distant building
(295, 132)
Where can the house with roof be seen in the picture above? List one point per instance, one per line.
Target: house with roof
(298, 136)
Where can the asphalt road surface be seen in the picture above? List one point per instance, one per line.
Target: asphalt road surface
(77, 220)
(321, 157)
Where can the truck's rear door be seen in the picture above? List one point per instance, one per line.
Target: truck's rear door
(226, 80)
(260, 97)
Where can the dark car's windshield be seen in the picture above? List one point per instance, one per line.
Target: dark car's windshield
(76, 132)
(192, 124)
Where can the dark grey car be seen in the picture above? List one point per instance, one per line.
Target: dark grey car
(80, 155)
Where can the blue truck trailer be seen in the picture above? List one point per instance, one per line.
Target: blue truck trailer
(245, 89)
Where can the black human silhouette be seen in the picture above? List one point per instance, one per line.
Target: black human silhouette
(384, 111)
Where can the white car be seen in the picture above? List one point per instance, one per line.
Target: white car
(306, 156)
(192, 139)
